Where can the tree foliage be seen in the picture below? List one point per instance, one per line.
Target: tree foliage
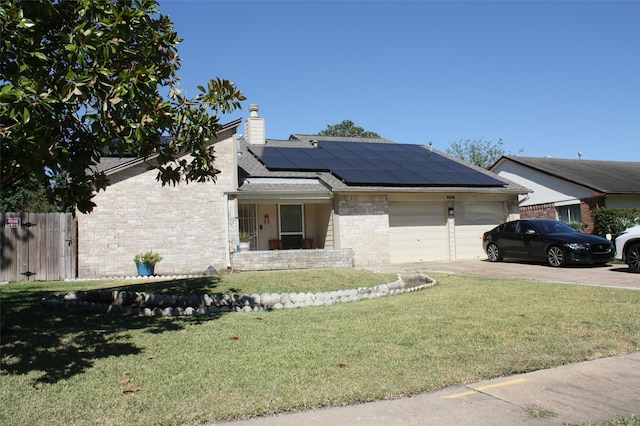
(348, 129)
(482, 153)
(26, 195)
(83, 79)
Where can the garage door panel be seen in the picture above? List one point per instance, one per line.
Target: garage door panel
(472, 220)
(417, 232)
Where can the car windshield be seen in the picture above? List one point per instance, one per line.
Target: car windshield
(553, 227)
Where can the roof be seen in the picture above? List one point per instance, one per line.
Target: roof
(311, 138)
(110, 165)
(256, 179)
(298, 158)
(607, 177)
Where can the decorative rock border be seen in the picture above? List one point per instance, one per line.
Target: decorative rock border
(150, 304)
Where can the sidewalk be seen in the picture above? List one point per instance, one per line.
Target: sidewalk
(574, 394)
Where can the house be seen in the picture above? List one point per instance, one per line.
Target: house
(568, 190)
(309, 201)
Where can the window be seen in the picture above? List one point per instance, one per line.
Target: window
(569, 214)
(525, 228)
(247, 221)
(509, 227)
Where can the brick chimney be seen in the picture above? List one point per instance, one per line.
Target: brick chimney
(254, 127)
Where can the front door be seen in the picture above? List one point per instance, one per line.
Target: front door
(291, 225)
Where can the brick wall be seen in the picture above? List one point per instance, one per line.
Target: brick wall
(362, 222)
(586, 206)
(269, 260)
(548, 211)
(538, 211)
(185, 223)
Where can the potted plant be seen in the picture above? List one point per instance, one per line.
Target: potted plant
(245, 240)
(146, 262)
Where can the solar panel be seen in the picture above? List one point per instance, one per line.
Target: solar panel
(381, 164)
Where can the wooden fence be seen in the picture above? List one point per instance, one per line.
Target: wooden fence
(38, 246)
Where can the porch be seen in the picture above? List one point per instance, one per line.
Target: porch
(287, 224)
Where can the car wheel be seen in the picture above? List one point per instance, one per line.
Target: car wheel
(633, 257)
(555, 256)
(493, 253)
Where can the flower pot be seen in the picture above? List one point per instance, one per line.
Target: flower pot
(145, 269)
(245, 246)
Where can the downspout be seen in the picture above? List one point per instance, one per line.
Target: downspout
(525, 198)
(226, 244)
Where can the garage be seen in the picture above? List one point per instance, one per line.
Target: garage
(417, 232)
(472, 220)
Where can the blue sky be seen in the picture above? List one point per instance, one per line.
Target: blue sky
(548, 78)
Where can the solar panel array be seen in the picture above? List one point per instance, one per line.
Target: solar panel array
(383, 164)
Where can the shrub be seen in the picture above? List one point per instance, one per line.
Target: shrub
(579, 226)
(611, 220)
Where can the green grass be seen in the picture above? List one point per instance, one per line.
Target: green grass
(631, 420)
(237, 365)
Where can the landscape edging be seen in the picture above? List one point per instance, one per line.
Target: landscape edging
(150, 304)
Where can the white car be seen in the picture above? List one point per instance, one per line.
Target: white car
(628, 248)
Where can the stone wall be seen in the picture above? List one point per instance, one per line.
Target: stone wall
(270, 260)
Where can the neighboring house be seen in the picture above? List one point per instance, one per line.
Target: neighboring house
(568, 190)
(310, 201)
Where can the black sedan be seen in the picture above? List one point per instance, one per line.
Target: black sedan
(550, 241)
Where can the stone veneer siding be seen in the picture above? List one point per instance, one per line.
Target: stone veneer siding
(362, 222)
(185, 223)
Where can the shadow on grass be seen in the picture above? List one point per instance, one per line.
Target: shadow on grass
(185, 286)
(60, 344)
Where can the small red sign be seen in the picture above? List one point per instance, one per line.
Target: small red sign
(12, 222)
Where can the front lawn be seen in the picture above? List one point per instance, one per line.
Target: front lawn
(61, 368)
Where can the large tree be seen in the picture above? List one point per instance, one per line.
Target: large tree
(348, 129)
(26, 195)
(83, 79)
(482, 153)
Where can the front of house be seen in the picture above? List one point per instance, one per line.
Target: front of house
(308, 201)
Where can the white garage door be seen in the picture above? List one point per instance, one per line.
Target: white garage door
(472, 220)
(417, 232)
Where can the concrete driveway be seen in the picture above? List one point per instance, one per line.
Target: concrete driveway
(612, 275)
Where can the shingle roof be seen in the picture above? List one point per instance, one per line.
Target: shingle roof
(110, 165)
(281, 188)
(608, 177)
(250, 166)
(310, 138)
